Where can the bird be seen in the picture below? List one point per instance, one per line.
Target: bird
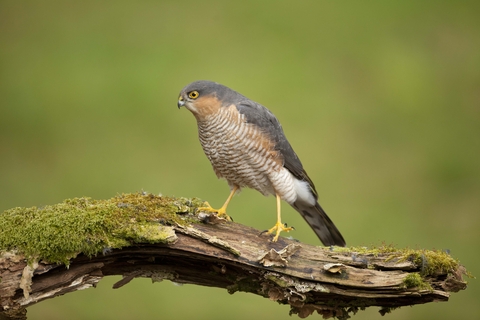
(246, 146)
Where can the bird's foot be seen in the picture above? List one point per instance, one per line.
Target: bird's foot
(221, 213)
(277, 228)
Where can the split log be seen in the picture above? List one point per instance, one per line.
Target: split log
(189, 247)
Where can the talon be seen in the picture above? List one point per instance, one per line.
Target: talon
(277, 228)
(221, 213)
(291, 228)
(264, 231)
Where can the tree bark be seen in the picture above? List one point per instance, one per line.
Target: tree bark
(332, 281)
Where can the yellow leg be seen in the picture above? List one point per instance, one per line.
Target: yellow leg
(279, 226)
(222, 212)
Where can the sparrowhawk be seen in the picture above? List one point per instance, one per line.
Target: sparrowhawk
(246, 145)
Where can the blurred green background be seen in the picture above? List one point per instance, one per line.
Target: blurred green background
(381, 101)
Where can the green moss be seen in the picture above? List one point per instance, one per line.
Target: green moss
(57, 233)
(429, 262)
(415, 280)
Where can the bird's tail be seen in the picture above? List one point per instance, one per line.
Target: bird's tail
(320, 223)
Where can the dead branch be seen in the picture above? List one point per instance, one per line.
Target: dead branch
(211, 252)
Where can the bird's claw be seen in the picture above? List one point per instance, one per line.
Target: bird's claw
(277, 228)
(221, 213)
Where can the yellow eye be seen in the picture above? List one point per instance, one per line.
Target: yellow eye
(193, 94)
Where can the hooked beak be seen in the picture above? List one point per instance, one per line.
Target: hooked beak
(181, 102)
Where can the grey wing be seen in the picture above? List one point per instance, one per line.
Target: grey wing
(257, 114)
(314, 215)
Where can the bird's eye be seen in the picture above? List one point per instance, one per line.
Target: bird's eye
(193, 94)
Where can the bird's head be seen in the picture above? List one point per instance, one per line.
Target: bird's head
(206, 97)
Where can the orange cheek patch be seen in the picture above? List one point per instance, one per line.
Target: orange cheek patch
(206, 106)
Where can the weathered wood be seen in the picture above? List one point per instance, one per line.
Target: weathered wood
(228, 255)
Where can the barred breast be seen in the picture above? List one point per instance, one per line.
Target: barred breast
(243, 155)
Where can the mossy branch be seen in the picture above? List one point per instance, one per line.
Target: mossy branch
(47, 252)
